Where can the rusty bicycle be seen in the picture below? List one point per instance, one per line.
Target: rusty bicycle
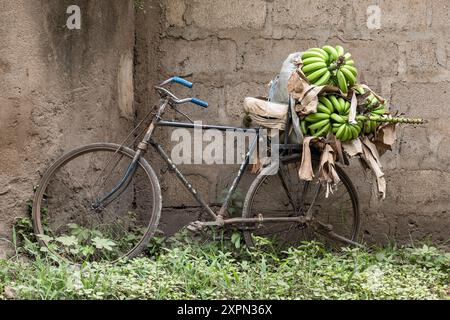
(104, 201)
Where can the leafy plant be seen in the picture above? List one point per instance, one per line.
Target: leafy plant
(101, 243)
(75, 242)
(187, 269)
(181, 267)
(236, 239)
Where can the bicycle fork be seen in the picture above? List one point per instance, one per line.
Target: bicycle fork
(142, 147)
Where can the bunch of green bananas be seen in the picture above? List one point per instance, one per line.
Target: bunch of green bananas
(329, 65)
(373, 107)
(317, 124)
(331, 116)
(343, 130)
(333, 113)
(315, 67)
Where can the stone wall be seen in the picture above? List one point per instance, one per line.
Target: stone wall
(233, 48)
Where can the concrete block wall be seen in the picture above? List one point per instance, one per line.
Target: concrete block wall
(232, 49)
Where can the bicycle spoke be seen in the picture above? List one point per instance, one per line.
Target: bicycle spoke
(109, 173)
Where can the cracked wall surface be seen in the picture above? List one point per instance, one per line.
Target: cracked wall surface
(60, 89)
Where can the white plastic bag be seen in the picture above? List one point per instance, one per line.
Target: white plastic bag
(278, 89)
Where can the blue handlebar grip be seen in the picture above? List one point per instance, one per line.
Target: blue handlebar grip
(183, 82)
(200, 103)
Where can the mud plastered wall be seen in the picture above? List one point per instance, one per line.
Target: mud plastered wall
(234, 48)
(59, 88)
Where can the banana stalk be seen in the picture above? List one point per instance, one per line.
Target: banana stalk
(389, 119)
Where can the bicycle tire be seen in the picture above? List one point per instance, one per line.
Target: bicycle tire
(114, 149)
(259, 181)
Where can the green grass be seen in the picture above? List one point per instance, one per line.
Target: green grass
(192, 269)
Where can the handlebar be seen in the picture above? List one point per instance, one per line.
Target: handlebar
(185, 83)
(182, 81)
(200, 103)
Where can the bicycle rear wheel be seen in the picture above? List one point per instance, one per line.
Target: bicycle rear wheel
(68, 224)
(284, 194)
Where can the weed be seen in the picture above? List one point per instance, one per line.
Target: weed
(182, 268)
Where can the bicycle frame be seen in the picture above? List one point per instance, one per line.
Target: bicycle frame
(220, 218)
(184, 180)
(148, 140)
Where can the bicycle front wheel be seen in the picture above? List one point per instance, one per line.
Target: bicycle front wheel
(69, 224)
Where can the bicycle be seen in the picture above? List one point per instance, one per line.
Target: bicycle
(103, 200)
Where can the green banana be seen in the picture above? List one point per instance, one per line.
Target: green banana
(321, 108)
(354, 131)
(347, 107)
(379, 111)
(374, 126)
(347, 133)
(322, 52)
(342, 82)
(323, 131)
(369, 127)
(332, 52)
(319, 124)
(312, 60)
(342, 105)
(327, 103)
(337, 118)
(330, 66)
(318, 116)
(358, 130)
(313, 54)
(335, 103)
(303, 127)
(375, 104)
(349, 76)
(341, 70)
(316, 74)
(350, 62)
(313, 67)
(340, 50)
(352, 69)
(323, 79)
(340, 131)
(360, 90)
